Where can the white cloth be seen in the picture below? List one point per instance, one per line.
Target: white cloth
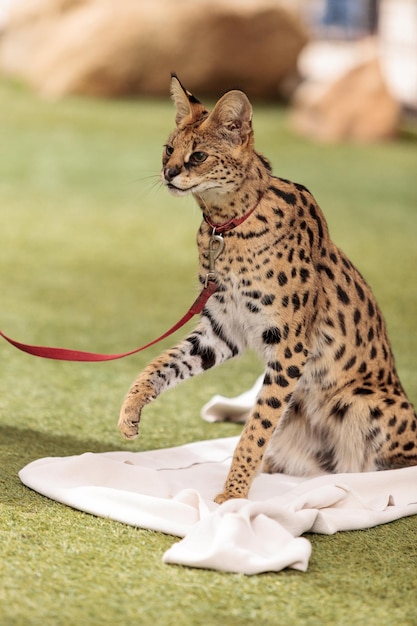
(172, 491)
(222, 409)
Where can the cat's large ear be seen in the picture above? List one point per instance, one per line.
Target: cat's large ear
(189, 109)
(234, 113)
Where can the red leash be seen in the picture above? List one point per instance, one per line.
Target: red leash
(216, 245)
(63, 354)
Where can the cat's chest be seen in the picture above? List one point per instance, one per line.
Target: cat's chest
(243, 303)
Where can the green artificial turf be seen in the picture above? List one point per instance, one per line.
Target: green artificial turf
(95, 255)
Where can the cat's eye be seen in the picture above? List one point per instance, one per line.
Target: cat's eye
(198, 157)
(169, 150)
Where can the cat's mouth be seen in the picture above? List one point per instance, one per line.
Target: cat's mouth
(198, 188)
(178, 191)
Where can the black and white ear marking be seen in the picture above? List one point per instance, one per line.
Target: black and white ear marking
(189, 109)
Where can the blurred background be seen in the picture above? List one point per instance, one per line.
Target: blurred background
(348, 68)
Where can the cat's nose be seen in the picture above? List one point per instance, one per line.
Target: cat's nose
(171, 172)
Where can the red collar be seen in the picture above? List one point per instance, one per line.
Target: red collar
(232, 223)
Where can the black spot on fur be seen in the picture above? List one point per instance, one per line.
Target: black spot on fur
(252, 234)
(360, 292)
(207, 355)
(342, 295)
(316, 217)
(349, 363)
(264, 161)
(289, 198)
(373, 434)
(328, 339)
(271, 335)
(274, 403)
(381, 374)
(282, 279)
(293, 371)
(295, 302)
(342, 323)
(376, 413)
(362, 391)
(217, 329)
(255, 294)
(402, 427)
(325, 268)
(281, 381)
(340, 409)
(268, 299)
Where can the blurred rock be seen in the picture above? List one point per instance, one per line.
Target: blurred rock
(107, 48)
(356, 106)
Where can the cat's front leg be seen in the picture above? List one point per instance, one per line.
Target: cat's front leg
(204, 348)
(164, 372)
(271, 403)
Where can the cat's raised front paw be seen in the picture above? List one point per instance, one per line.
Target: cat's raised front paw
(129, 417)
(139, 396)
(128, 424)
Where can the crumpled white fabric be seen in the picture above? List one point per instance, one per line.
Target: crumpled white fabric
(172, 491)
(222, 409)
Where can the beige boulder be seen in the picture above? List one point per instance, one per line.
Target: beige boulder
(104, 48)
(358, 106)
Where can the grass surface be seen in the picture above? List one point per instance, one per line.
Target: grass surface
(95, 256)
